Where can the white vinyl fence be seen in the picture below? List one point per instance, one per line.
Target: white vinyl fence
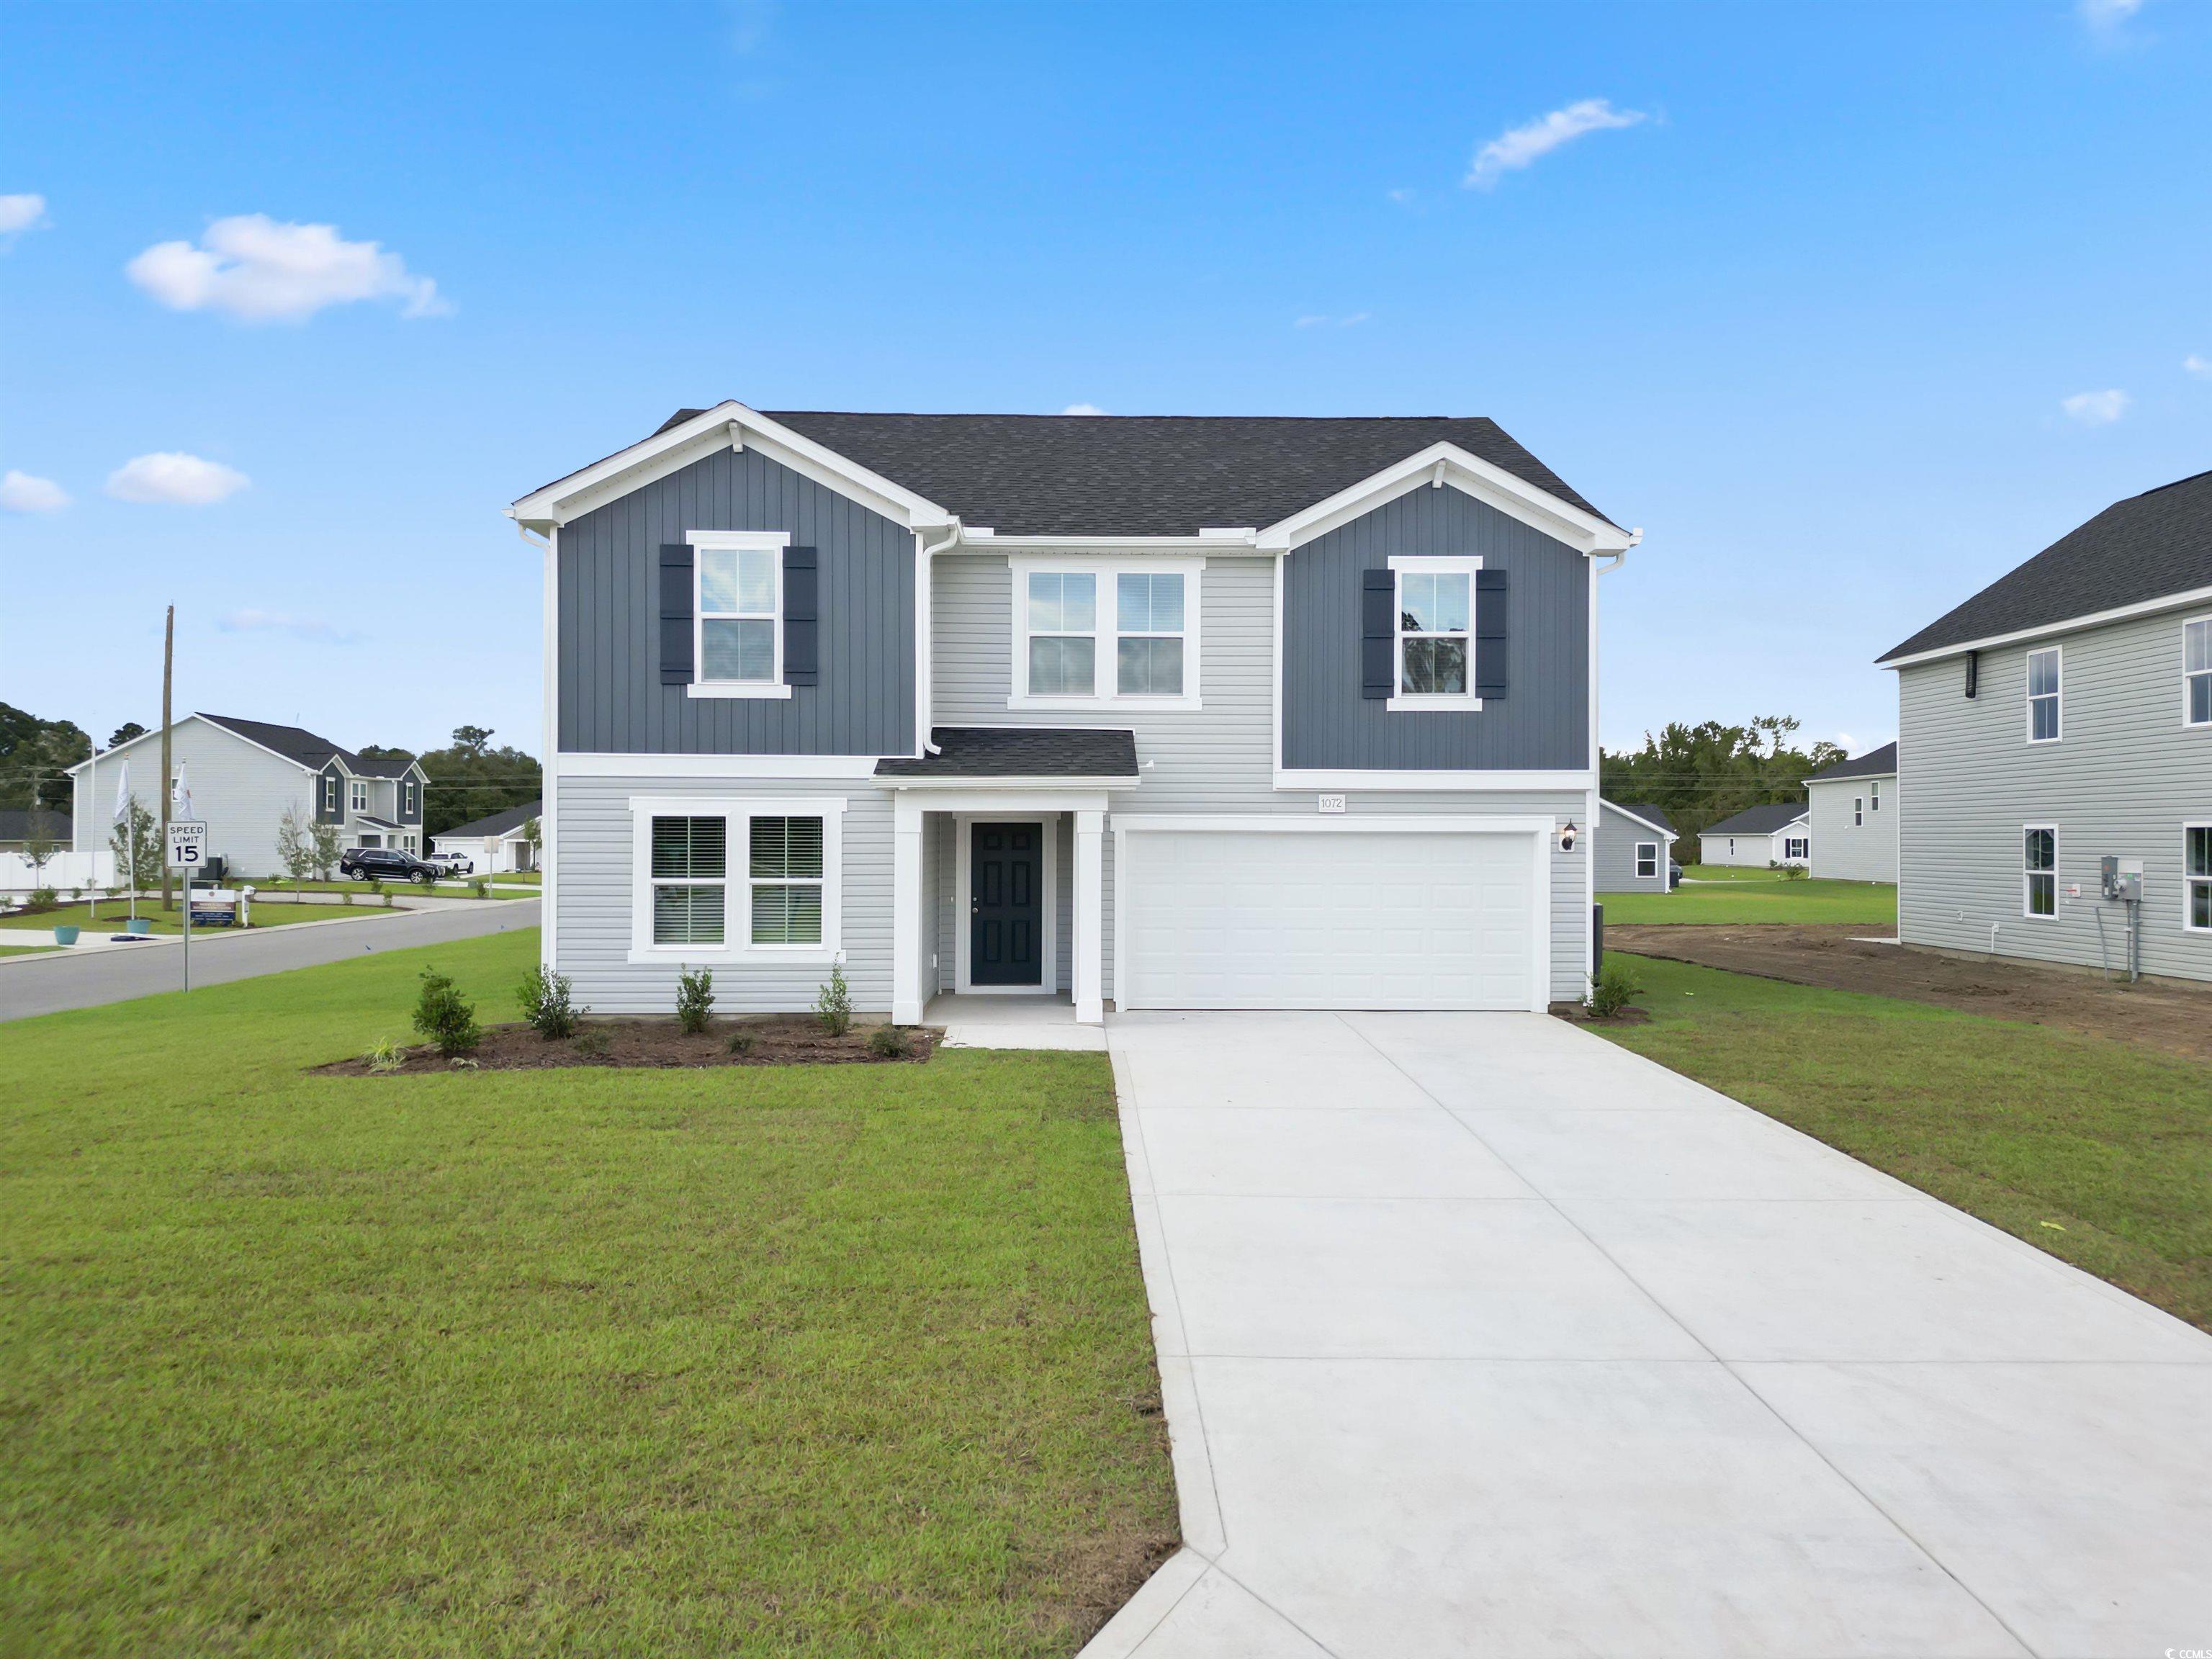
(63, 870)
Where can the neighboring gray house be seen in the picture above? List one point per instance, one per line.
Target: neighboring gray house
(499, 844)
(1852, 809)
(2061, 716)
(244, 775)
(21, 826)
(1759, 836)
(1635, 844)
(1176, 713)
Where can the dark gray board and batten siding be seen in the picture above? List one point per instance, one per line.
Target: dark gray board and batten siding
(1542, 723)
(611, 697)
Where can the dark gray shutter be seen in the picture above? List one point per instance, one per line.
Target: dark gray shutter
(1378, 633)
(802, 628)
(1490, 644)
(675, 614)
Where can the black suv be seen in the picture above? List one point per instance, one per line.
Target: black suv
(384, 863)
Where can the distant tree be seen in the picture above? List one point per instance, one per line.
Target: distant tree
(1700, 775)
(39, 850)
(125, 732)
(35, 756)
(470, 780)
(295, 844)
(382, 751)
(136, 844)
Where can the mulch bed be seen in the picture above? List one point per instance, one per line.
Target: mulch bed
(1575, 1013)
(777, 1040)
(2162, 1014)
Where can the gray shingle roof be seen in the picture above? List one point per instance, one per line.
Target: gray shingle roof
(381, 766)
(293, 742)
(497, 825)
(1028, 751)
(20, 824)
(1757, 820)
(1874, 763)
(1647, 812)
(2147, 547)
(1144, 474)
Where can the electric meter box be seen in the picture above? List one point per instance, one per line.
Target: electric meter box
(2123, 879)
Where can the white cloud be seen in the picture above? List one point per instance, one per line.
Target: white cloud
(2096, 408)
(1519, 146)
(2106, 15)
(174, 479)
(2200, 367)
(277, 622)
(252, 267)
(1083, 408)
(27, 212)
(20, 492)
(1403, 196)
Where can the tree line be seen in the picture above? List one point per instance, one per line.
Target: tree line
(1700, 775)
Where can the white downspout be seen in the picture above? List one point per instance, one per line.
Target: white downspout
(924, 608)
(1594, 806)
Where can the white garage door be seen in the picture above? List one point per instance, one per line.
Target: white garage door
(1259, 919)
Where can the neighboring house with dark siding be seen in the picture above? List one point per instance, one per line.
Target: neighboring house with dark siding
(1635, 844)
(2062, 716)
(1164, 712)
(244, 776)
(1852, 810)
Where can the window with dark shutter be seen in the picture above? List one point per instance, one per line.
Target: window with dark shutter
(1492, 652)
(1378, 633)
(802, 599)
(675, 614)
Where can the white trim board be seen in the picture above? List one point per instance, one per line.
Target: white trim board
(1570, 781)
(580, 764)
(1442, 463)
(733, 950)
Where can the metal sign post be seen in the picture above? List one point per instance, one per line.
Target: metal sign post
(188, 853)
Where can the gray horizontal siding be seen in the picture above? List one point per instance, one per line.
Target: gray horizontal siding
(1615, 852)
(611, 697)
(1219, 758)
(1542, 721)
(2122, 779)
(1843, 850)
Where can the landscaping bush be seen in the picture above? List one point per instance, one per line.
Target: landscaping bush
(479, 888)
(833, 1003)
(887, 1043)
(741, 1042)
(445, 1015)
(592, 1043)
(385, 1056)
(694, 999)
(545, 1004)
(1612, 990)
(43, 898)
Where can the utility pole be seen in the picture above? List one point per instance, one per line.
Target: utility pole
(169, 667)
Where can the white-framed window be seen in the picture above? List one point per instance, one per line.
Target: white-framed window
(721, 880)
(1796, 847)
(1647, 858)
(2043, 676)
(2040, 871)
(1859, 811)
(2197, 878)
(407, 797)
(736, 613)
(408, 841)
(2197, 671)
(1433, 656)
(1122, 633)
(329, 792)
(1874, 793)
(357, 794)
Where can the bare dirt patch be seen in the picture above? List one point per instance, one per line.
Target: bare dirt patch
(1577, 1014)
(2175, 1019)
(614, 1044)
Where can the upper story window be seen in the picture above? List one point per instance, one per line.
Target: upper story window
(737, 614)
(329, 792)
(1859, 811)
(1875, 791)
(1647, 858)
(1435, 650)
(357, 794)
(2196, 671)
(2043, 668)
(1121, 633)
(407, 797)
(2040, 871)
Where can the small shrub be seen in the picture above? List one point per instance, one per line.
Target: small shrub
(1612, 990)
(44, 898)
(545, 1004)
(376, 886)
(480, 887)
(1795, 872)
(833, 1003)
(445, 1015)
(385, 1056)
(741, 1042)
(592, 1043)
(464, 1063)
(887, 1043)
(386, 897)
(694, 999)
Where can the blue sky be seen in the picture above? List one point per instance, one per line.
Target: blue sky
(1807, 297)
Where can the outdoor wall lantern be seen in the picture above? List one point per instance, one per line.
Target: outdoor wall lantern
(1567, 834)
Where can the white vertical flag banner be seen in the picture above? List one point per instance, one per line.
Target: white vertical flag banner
(180, 798)
(123, 793)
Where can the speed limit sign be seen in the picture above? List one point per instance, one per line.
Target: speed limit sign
(187, 844)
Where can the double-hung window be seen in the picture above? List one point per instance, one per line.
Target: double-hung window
(740, 592)
(1859, 811)
(1873, 790)
(2040, 871)
(407, 799)
(1796, 847)
(1110, 634)
(2197, 671)
(2197, 878)
(690, 877)
(357, 792)
(1435, 646)
(785, 872)
(329, 792)
(2043, 667)
(1647, 858)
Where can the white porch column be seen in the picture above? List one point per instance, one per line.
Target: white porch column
(1089, 951)
(906, 914)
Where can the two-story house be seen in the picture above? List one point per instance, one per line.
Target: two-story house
(2060, 717)
(1204, 712)
(244, 775)
(1851, 813)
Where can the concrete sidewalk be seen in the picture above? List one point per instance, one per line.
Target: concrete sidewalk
(52, 981)
(1480, 1336)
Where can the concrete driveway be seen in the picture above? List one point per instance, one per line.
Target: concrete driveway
(1482, 1336)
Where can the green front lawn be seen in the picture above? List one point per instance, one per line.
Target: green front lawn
(113, 913)
(840, 1360)
(1753, 896)
(2097, 1151)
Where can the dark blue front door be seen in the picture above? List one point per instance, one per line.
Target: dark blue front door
(1006, 907)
